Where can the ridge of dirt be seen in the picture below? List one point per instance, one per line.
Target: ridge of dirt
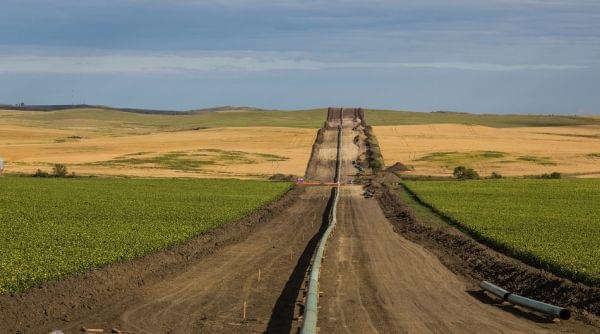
(56, 301)
(321, 167)
(467, 257)
(312, 161)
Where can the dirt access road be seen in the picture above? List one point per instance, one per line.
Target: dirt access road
(375, 281)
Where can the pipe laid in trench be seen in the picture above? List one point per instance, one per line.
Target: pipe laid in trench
(311, 306)
(538, 306)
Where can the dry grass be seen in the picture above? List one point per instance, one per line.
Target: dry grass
(437, 148)
(251, 152)
(102, 142)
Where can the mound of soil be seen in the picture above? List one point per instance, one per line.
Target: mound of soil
(313, 154)
(282, 177)
(388, 177)
(398, 167)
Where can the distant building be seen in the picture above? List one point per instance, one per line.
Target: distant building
(1, 166)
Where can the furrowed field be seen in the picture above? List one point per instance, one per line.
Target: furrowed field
(53, 227)
(553, 224)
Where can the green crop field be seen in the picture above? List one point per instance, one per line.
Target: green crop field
(50, 228)
(553, 224)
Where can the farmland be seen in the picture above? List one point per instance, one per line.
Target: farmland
(248, 152)
(248, 143)
(392, 117)
(120, 121)
(50, 228)
(244, 277)
(553, 224)
(435, 149)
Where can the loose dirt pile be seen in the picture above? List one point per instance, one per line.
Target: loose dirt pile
(398, 167)
(282, 177)
(321, 166)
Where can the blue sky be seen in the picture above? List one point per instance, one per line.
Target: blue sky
(492, 56)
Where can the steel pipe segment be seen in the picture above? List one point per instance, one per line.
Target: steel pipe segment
(549, 309)
(495, 290)
(311, 306)
(555, 311)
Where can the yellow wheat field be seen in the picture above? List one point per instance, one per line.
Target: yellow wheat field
(234, 152)
(117, 148)
(437, 148)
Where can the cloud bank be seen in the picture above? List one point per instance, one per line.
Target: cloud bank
(164, 63)
(489, 56)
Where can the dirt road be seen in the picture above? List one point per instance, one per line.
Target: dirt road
(209, 295)
(376, 281)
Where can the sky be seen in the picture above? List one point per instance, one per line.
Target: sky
(482, 56)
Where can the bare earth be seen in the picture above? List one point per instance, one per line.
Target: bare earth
(548, 149)
(376, 281)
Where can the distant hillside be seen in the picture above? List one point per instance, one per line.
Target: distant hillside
(229, 116)
(393, 117)
(126, 121)
(56, 107)
(227, 108)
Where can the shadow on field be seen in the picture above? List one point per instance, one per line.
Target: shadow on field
(283, 312)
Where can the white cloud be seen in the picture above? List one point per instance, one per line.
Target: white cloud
(163, 63)
(472, 66)
(148, 64)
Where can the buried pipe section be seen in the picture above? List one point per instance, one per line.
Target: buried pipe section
(555, 311)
